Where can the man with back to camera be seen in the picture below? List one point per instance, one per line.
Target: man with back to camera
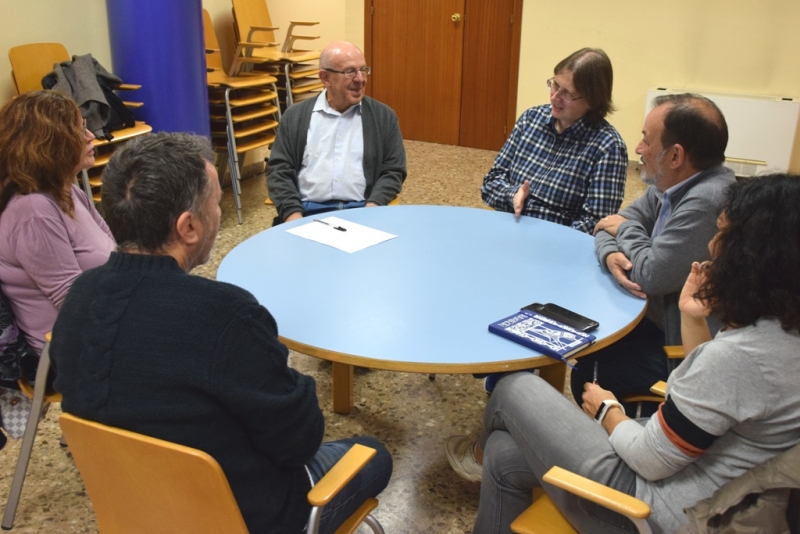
(337, 151)
(563, 162)
(649, 246)
(143, 345)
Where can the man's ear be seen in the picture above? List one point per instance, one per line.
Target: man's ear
(677, 156)
(324, 77)
(186, 229)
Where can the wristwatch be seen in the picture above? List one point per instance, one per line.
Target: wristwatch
(603, 410)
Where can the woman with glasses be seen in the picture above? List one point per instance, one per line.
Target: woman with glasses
(50, 232)
(732, 404)
(563, 162)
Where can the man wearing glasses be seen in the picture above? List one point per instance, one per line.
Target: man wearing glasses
(563, 161)
(337, 151)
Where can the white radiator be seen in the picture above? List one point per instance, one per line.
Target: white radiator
(764, 134)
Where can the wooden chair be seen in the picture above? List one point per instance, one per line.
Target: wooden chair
(142, 484)
(244, 111)
(29, 64)
(297, 69)
(543, 517)
(40, 399)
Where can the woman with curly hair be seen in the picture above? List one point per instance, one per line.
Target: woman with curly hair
(732, 404)
(50, 232)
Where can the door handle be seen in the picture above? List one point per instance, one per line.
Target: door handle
(456, 17)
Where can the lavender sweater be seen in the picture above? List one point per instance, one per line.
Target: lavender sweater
(42, 251)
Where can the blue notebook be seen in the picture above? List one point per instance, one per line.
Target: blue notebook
(542, 334)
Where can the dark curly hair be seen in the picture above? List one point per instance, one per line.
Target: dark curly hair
(756, 254)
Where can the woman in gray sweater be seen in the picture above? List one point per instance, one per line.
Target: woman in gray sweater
(732, 404)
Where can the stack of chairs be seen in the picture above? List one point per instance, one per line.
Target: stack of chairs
(297, 70)
(32, 62)
(244, 111)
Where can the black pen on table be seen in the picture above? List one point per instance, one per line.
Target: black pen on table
(594, 380)
(328, 224)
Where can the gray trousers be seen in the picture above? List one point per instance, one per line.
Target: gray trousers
(529, 427)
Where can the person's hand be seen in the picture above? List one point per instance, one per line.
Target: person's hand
(593, 395)
(371, 205)
(520, 197)
(620, 266)
(293, 216)
(688, 304)
(610, 224)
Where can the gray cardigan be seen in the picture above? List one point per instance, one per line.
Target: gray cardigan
(384, 155)
(661, 265)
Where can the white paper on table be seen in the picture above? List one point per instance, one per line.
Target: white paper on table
(355, 237)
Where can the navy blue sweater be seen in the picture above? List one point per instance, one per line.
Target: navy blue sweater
(141, 345)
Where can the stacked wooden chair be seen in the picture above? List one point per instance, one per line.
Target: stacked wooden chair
(244, 111)
(296, 69)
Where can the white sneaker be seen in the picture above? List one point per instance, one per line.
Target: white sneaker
(461, 455)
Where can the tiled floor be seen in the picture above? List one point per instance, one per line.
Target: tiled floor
(412, 415)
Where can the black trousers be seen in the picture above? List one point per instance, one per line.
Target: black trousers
(628, 367)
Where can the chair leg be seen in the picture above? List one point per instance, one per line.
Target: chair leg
(233, 158)
(37, 407)
(374, 525)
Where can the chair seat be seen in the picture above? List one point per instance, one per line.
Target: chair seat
(542, 517)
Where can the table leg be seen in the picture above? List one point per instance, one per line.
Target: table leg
(555, 375)
(342, 388)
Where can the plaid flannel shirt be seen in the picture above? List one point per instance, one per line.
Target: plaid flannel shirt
(577, 177)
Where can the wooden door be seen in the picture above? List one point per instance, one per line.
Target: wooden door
(416, 61)
(489, 75)
(451, 82)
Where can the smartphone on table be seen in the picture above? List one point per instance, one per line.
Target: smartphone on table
(568, 317)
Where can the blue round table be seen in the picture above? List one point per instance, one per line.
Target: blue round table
(422, 302)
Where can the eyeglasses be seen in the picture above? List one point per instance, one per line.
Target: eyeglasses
(557, 90)
(351, 73)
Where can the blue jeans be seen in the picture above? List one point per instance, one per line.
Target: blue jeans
(528, 427)
(628, 367)
(313, 208)
(369, 482)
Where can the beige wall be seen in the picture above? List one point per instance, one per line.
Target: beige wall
(739, 46)
(80, 25)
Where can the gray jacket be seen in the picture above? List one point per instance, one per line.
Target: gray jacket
(384, 155)
(758, 502)
(661, 265)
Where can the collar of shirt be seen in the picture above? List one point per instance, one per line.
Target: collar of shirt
(322, 105)
(673, 191)
(576, 129)
(667, 199)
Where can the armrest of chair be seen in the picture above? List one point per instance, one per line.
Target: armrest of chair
(674, 352)
(340, 474)
(302, 23)
(659, 388)
(129, 86)
(597, 493)
(255, 29)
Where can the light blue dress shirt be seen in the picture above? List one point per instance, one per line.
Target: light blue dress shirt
(332, 167)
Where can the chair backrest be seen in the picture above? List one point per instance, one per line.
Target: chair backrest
(248, 13)
(213, 54)
(31, 62)
(143, 484)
